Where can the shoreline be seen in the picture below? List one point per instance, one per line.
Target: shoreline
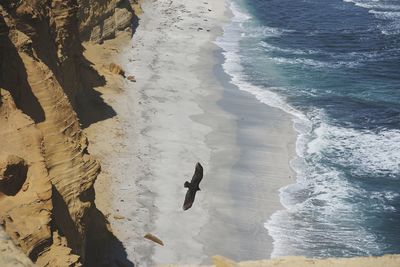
(262, 132)
(166, 123)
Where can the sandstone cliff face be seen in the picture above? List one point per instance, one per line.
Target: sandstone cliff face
(25, 191)
(102, 19)
(46, 173)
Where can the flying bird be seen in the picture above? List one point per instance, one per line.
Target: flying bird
(193, 187)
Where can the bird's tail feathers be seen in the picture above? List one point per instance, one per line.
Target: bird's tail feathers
(187, 184)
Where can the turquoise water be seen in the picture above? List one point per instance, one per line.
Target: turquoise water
(335, 66)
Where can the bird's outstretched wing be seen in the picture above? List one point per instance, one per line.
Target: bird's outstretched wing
(189, 199)
(198, 175)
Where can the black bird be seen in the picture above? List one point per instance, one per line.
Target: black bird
(193, 187)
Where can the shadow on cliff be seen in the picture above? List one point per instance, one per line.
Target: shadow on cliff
(14, 78)
(103, 248)
(90, 106)
(134, 20)
(73, 71)
(128, 5)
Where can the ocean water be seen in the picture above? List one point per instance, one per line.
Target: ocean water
(335, 66)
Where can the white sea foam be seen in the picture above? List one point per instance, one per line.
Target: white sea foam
(351, 59)
(319, 201)
(264, 31)
(270, 47)
(317, 207)
(389, 15)
(373, 5)
(315, 63)
(393, 24)
(366, 151)
(240, 17)
(384, 11)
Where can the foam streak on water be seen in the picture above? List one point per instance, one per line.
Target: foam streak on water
(345, 199)
(384, 10)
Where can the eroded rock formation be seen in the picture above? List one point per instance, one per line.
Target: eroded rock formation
(102, 19)
(25, 210)
(46, 173)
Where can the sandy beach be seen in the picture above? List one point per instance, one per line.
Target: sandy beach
(182, 110)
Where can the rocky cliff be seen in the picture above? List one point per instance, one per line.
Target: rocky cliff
(46, 173)
(102, 19)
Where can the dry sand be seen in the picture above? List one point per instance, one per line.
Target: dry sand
(181, 110)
